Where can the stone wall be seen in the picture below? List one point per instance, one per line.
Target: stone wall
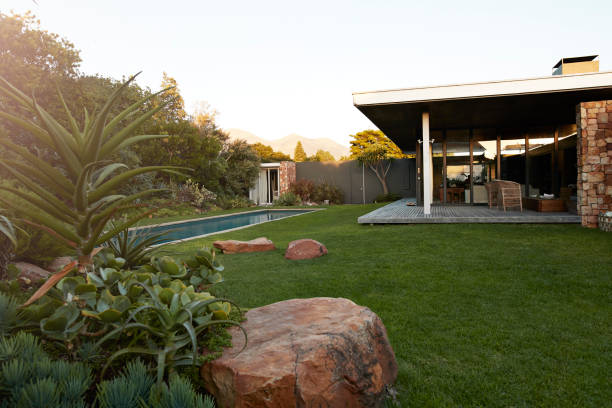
(594, 161)
(286, 176)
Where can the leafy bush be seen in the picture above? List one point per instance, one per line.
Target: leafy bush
(288, 198)
(154, 311)
(383, 198)
(229, 202)
(191, 192)
(327, 191)
(303, 188)
(39, 248)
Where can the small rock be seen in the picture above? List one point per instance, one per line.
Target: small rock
(31, 272)
(58, 263)
(255, 245)
(305, 249)
(319, 352)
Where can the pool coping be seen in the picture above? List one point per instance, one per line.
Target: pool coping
(178, 241)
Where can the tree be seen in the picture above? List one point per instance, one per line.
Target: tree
(323, 155)
(173, 104)
(375, 150)
(299, 155)
(241, 168)
(36, 62)
(268, 155)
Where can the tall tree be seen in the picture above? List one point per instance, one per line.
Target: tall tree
(241, 168)
(376, 151)
(299, 155)
(268, 155)
(36, 62)
(174, 109)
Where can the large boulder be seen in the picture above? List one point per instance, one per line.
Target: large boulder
(255, 245)
(305, 249)
(319, 352)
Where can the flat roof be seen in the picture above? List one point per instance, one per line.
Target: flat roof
(547, 84)
(507, 104)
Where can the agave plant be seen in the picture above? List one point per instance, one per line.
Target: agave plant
(136, 246)
(74, 203)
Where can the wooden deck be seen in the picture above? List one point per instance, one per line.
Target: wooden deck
(400, 213)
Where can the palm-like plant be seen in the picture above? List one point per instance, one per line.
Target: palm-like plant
(75, 202)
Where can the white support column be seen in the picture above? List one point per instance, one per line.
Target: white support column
(427, 166)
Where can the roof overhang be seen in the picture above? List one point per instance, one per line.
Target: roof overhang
(520, 103)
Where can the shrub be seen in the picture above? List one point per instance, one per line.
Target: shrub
(327, 191)
(158, 310)
(384, 198)
(40, 248)
(303, 188)
(191, 192)
(288, 198)
(30, 378)
(227, 202)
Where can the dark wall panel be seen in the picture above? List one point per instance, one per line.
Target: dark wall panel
(350, 177)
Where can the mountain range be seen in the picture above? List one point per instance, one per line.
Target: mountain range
(287, 144)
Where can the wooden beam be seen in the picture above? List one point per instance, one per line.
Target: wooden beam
(444, 170)
(471, 166)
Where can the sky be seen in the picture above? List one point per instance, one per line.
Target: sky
(278, 67)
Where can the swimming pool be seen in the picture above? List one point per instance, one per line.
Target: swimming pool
(198, 228)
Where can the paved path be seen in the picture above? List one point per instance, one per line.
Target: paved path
(400, 213)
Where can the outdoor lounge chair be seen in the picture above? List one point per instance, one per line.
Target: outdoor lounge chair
(509, 194)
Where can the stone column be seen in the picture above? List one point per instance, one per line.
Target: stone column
(286, 176)
(594, 161)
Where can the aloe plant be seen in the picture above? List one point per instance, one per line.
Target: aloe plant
(74, 203)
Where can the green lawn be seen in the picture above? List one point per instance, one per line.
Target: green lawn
(478, 315)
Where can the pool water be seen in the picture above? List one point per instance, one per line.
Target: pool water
(195, 228)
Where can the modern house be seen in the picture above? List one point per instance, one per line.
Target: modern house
(549, 134)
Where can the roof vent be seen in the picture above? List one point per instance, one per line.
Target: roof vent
(576, 65)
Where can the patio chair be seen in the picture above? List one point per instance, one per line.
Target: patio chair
(509, 194)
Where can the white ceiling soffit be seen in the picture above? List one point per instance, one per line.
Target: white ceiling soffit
(549, 84)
